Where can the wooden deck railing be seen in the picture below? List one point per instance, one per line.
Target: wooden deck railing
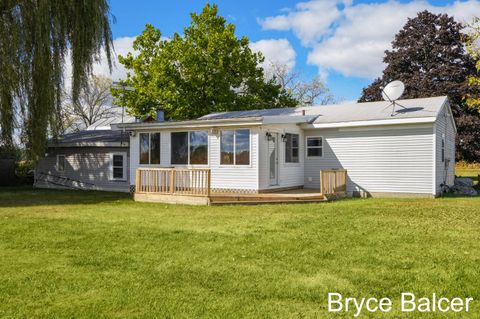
(333, 182)
(178, 181)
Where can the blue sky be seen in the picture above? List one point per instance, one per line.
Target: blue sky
(341, 40)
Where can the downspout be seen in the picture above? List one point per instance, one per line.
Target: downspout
(444, 186)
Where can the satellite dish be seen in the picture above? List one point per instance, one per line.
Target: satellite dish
(393, 91)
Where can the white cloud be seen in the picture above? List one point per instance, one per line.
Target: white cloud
(278, 51)
(122, 46)
(309, 21)
(352, 38)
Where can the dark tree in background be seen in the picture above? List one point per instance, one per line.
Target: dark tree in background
(429, 56)
(35, 38)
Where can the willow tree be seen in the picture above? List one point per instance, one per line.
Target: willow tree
(35, 38)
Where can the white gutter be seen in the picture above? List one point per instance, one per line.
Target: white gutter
(90, 144)
(370, 123)
(190, 124)
(303, 121)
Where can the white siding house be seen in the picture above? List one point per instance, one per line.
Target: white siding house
(223, 177)
(92, 160)
(383, 159)
(287, 174)
(401, 149)
(96, 158)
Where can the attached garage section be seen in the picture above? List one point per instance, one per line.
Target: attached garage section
(381, 160)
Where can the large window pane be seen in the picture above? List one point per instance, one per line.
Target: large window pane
(144, 146)
(226, 148)
(61, 163)
(314, 146)
(117, 160)
(118, 166)
(291, 148)
(199, 147)
(242, 147)
(314, 152)
(295, 155)
(118, 172)
(179, 154)
(155, 148)
(314, 141)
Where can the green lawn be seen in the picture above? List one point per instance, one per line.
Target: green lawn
(468, 172)
(89, 254)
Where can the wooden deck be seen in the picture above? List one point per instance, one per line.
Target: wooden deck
(290, 196)
(193, 186)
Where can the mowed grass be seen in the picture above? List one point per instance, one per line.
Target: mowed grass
(469, 172)
(73, 254)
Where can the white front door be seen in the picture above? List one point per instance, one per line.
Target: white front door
(273, 158)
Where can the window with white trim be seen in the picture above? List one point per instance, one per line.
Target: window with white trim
(149, 148)
(61, 163)
(118, 166)
(314, 146)
(235, 147)
(291, 148)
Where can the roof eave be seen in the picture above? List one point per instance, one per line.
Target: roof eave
(191, 124)
(370, 123)
(89, 144)
(446, 105)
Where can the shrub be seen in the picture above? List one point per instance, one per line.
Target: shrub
(24, 168)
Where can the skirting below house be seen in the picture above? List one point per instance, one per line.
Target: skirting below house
(233, 190)
(253, 191)
(171, 198)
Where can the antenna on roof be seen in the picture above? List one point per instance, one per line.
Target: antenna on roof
(123, 87)
(392, 92)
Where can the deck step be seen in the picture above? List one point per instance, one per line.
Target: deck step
(263, 198)
(263, 201)
(216, 199)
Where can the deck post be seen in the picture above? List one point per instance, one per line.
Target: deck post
(172, 181)
(334, 188)
(321, 182)
(209, 178)
(137, 181)
(333, 182)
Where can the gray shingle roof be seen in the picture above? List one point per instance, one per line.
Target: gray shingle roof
(349, 112)
(252, 113)
(382, 110)
(91, 138)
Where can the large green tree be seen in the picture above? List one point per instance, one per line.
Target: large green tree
(207, 69)
(473, 48)
(429, 56)
(35, 38)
